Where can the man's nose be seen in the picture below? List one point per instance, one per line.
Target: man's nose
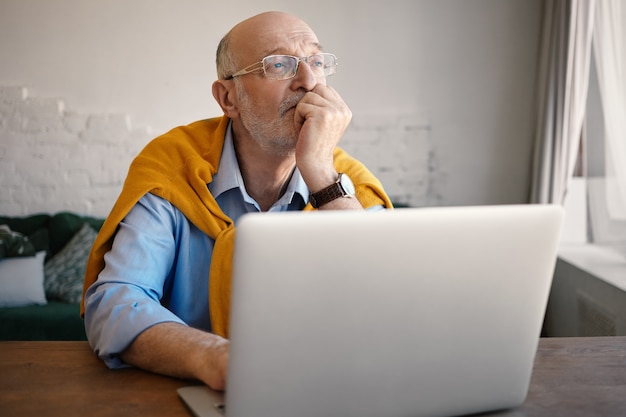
(305, 77)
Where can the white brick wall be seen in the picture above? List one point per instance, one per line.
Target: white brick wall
(397, 149)
(52, 159)
(56, 160)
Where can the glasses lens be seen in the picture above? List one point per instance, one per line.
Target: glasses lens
(280, 67)
(323, 65)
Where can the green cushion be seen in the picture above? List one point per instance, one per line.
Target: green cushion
(50, 232)
(53, 321)
(35, 227)
(26, 225)
(13, 243)
(63, 226)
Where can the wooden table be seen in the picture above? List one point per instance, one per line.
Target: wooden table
(573, 377)
(576, 377)
(47, 379)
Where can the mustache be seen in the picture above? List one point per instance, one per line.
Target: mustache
(290, 103)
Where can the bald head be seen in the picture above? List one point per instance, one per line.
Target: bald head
(261, 35)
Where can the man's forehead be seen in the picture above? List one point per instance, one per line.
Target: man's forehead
(273, 33)
(311, 47)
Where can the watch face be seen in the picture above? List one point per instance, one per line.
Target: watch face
(347, 184)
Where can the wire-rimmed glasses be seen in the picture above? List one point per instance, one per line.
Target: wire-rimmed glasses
(284, 67)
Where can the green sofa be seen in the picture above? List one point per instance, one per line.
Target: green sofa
(55, 318)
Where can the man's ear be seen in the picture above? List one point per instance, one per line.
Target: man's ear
(223, 91)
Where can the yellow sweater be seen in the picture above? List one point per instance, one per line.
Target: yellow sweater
(177, 167)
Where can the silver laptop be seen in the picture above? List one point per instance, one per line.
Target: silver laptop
(407, 312)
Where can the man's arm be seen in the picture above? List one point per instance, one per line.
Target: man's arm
(181, 351)
(125, 320)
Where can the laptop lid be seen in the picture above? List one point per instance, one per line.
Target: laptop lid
(406, 312)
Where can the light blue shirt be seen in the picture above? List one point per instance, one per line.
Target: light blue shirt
(158, 267)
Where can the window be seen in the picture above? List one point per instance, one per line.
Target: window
(605, 136)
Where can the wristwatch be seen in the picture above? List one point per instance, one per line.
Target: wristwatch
(343, 187)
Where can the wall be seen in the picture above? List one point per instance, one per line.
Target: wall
(442, 91)
(58, 160)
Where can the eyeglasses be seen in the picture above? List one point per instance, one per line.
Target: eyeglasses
(284, 67)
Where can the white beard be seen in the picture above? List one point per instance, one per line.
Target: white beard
(277, 136)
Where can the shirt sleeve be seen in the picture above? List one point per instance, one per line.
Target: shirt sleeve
(125, 300)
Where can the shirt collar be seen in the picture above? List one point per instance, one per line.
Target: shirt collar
(228, 176)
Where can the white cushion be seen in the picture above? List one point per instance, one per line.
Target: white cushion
(21, 281)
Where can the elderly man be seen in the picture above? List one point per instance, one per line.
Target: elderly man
(157, 286)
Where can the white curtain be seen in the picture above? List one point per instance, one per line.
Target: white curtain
(610, 54)
(562, 94)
